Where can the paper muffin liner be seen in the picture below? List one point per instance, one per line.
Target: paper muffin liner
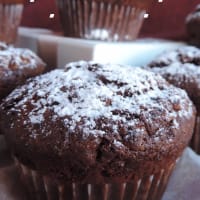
(195, 141)
(144, 188)
(101, 20)
(10, 18)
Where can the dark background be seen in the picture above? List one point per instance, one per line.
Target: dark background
(166, 19)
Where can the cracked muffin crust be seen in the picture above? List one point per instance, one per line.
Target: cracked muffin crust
(95, 122)
(181, 67)
(16, 65)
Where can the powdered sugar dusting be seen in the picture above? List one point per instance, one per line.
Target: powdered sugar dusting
(183, 55)
(194, 15)
(180, 72)
(16, 58)
(85, 93)
(181, 67)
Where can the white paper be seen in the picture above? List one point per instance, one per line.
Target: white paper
(56, 50)
(184, 183)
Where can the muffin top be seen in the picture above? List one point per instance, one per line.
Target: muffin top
(193, 26)
(181, 67)
(194, 15)
(90, 118)
(16, 65)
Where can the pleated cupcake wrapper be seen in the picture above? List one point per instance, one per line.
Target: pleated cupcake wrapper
(10, 18)
(145, 188)
(195, 142)
(100, 20)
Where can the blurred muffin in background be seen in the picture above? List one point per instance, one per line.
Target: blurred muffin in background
(181, 67)
(193, 26)
(10, 18)
(102, 19)
(16, 65)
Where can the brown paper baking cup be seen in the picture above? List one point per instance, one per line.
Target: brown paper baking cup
(101, 20)
(10, 18)
(195, 141)
(12, 1)
(144, 188)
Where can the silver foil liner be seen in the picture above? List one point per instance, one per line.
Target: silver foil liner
(100, 20)
(144, 188)
(10, 18)
(195, 141)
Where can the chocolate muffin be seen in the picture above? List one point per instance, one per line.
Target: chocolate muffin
(193, 26)
(93, 131)
(108, 20)
(16, 65)
(11, 14)
(181, 67)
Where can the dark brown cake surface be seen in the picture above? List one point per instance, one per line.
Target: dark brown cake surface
(181, 67)
(94, 122)
(193, 26)
(16, 65)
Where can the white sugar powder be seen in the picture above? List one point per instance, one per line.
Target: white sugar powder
(79, 93)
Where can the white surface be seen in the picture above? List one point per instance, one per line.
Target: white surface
(28, 37)
(131, 53)
(58, 50)
(185, 180)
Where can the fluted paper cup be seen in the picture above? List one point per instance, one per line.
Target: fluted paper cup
(10, 18)
(102, 20)
(147, 187)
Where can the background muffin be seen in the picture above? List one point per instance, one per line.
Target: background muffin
(16, 65)
(102, 19)
(193, 26)
(11, 13)
(181, 67)
(97, 130)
